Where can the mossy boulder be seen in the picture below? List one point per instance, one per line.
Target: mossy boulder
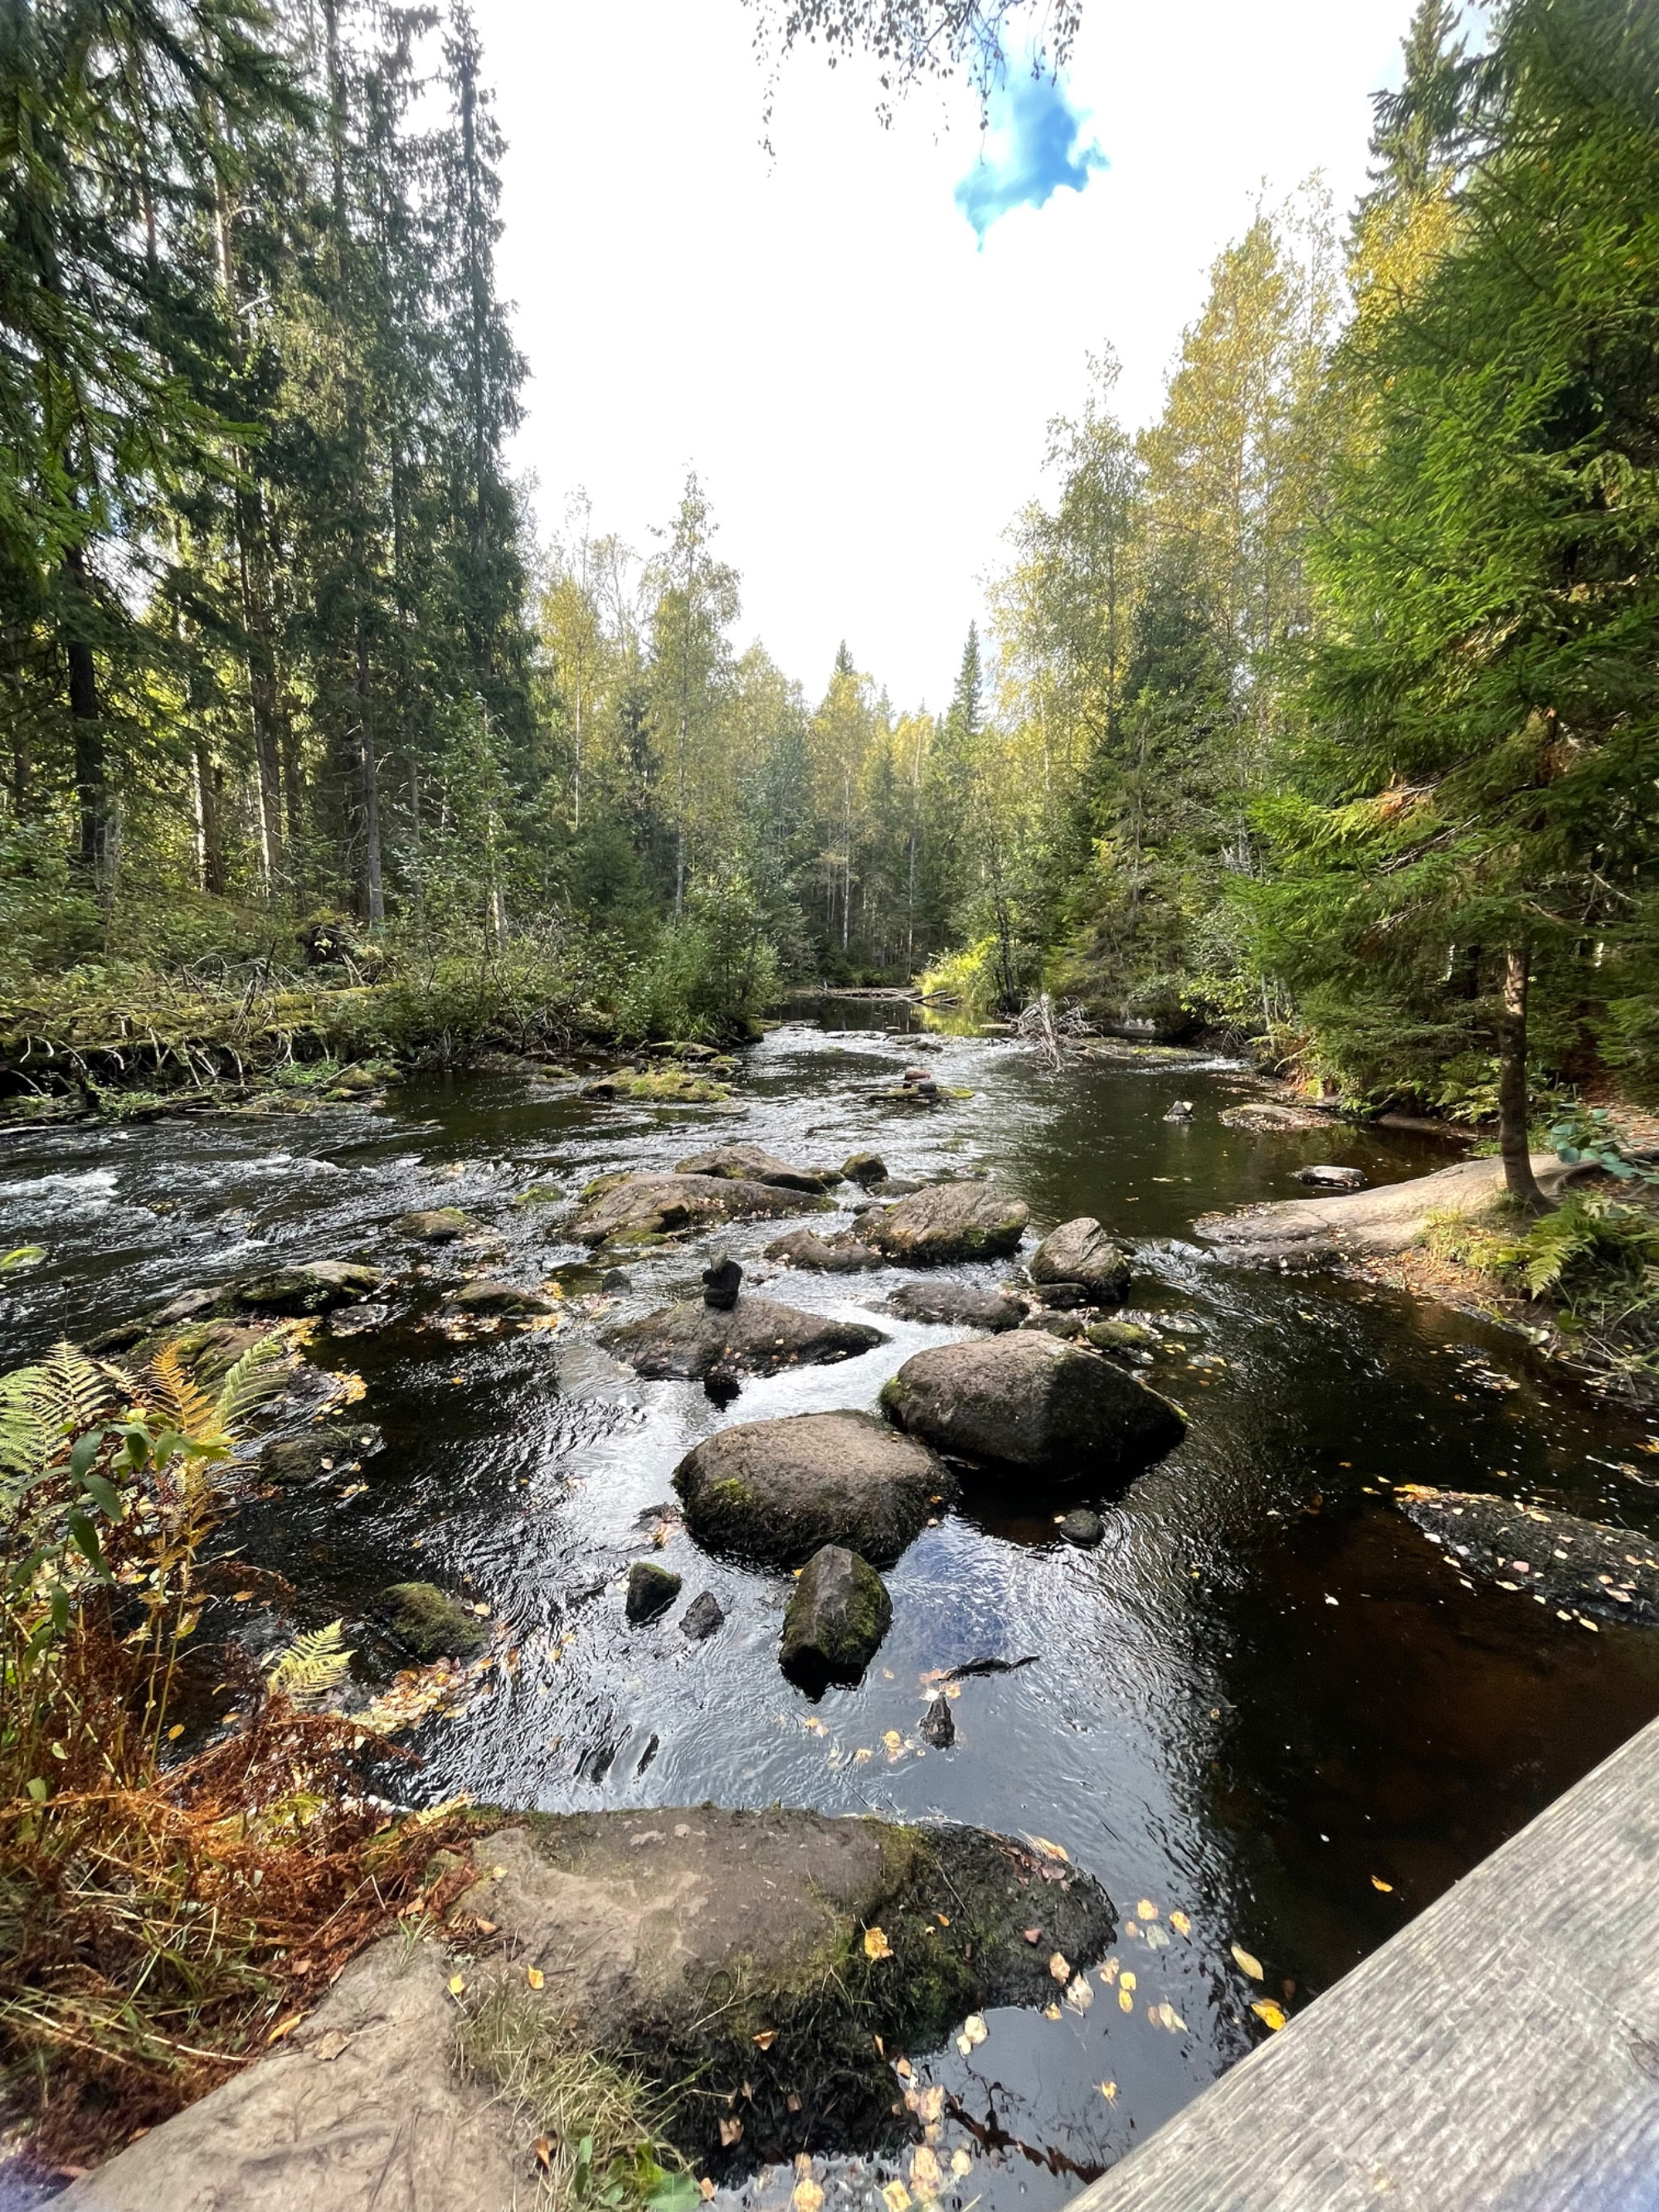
(867, 1168)
(775, 1492)
(311, 1287)
(735, 1950)
(947, 1221)
(428, 1622)
(672, 1086)
(834, 1621)
(1081, 1252)
(757, 1336)
(485, 1295)
(666, 1205)
(1027, 1401)
(651, 1591)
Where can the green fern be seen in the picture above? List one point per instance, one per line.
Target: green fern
(253, 1378)
(312, 1666)
(63, 1395)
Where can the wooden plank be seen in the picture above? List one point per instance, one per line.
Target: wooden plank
(1501, 2054)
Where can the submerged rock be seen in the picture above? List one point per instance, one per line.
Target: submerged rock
(1328, 1177)
(662, 1204)
(437, 1225)
(752, 1163)
(651, 1591)
(428, 1623)
(635, 1919)
(1081, 1252)
(329, 1448)
(846, 1255)
(1574, 1567)
(312, 1286)
(1024, 1399)
(757, 1337)
(1119, 1335)
(947, 1221)
(835, 1619)
(1057, 1322)
(956, 1305)
(486, 1296)
(777, 1491)
(1082, 1527)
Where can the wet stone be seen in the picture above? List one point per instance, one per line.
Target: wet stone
(314, 1287)
(651, 1591)
(775, 1492)
(846, 1255)
(956, 1305)
(1080, 1252)
(865, 1168)
(438, 1225)
(428, 1622)
(757, 1336)
(334, 1449)
(835, 1619)
(948, 1221)
(1082, 1527)
(1575, 1566)
(486, 1296)
(939, 1726)
(703, 1616)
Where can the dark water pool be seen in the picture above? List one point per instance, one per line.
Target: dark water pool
(1264, 1703)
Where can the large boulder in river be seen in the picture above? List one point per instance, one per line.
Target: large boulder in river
(685, 1943)
(1026, 1400)
(957, 1305)
(776, 1490)
(834, 1622)
(753, 1164)
(946, 1221)
(755, 1337)
(310, 1286)
(661, 1205)
(1081, 1252)
(845, 1255)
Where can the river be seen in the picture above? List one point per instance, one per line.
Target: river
(1265, 1704)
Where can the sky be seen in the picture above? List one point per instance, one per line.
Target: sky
(858, 340)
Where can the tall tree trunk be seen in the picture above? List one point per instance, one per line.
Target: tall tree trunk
(210, 835)
(261, 681)
(95, 842)
(1518, 1178)
(374, 896)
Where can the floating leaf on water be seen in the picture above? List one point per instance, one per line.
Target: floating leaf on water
(1059, 1967)
(1158, 1939)
(1247, 1962)
(1180, 1922)
(974, 2027)
(1125, 2002)
(1377, 1882)
(1051, 2012)
(875, 1945)
(1265, 2009)
(893, 1740)
(1172, 2019)
(926, 2178)
(1146, 1908)
(1109, 2090)
(930, 2105)
(1079, 1995)
(960, 2163)
(1109, 1972)
(1127, 1980)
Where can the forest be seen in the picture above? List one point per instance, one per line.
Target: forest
(1321, 712)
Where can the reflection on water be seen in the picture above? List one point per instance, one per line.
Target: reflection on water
(1266, 1703)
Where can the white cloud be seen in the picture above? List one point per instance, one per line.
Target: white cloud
(863, 391)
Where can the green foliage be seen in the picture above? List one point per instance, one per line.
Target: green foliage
(712, 976)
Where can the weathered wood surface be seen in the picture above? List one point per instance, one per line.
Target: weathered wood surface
(1501, 2054)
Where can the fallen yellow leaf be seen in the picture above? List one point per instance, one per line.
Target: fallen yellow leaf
(542, 2148)
(1248, 1963)
(1124, 2001)
(1109, 2090)
(456, 1985)
(892, 1739)
(1050, 1851)
(1058, 1967)
(535, 1977)
(1146, 1908)
(1272, 2013)
(895, 2197)
(974, 2028)
(875, 1945)
(285, 2027)
(705, 2189)
(1127, 1980)
(1377, 1882)
(926, 2178)
(960, 2163)
(930, 2105)
(1180, 1922)
(765, 2039)
(175, 1731)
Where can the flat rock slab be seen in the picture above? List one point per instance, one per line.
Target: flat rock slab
(846, 1255)
(1385, 1220)
(752, 1163)
(947, 1221)
(756, 1337)
(1028, 1400)
(775, 1492)
(1575, 1566)
(957, 1305)
(671, 1940)
(664, 1204)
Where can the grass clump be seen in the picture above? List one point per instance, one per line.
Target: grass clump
(601, 2130)
(160, 1914)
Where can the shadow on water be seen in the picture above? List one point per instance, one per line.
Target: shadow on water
(1264, 1703)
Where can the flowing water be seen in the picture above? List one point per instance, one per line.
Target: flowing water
(1265, 1702)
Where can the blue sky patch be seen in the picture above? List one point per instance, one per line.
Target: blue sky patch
(1034, 143)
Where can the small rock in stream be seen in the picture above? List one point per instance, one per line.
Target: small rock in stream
(835, 1621)
(1081, 1252)
(651, 1591)
(437, 1225)
(865, 1168)
(937, 1728)
(1082, 1527)
(1328, 1177)
(702, 1617)
(429, 1623)
(486, 1296)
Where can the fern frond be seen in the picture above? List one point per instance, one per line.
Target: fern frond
(312, 1666)
(167, 1387)
(59, 1397)
(253, 1378)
